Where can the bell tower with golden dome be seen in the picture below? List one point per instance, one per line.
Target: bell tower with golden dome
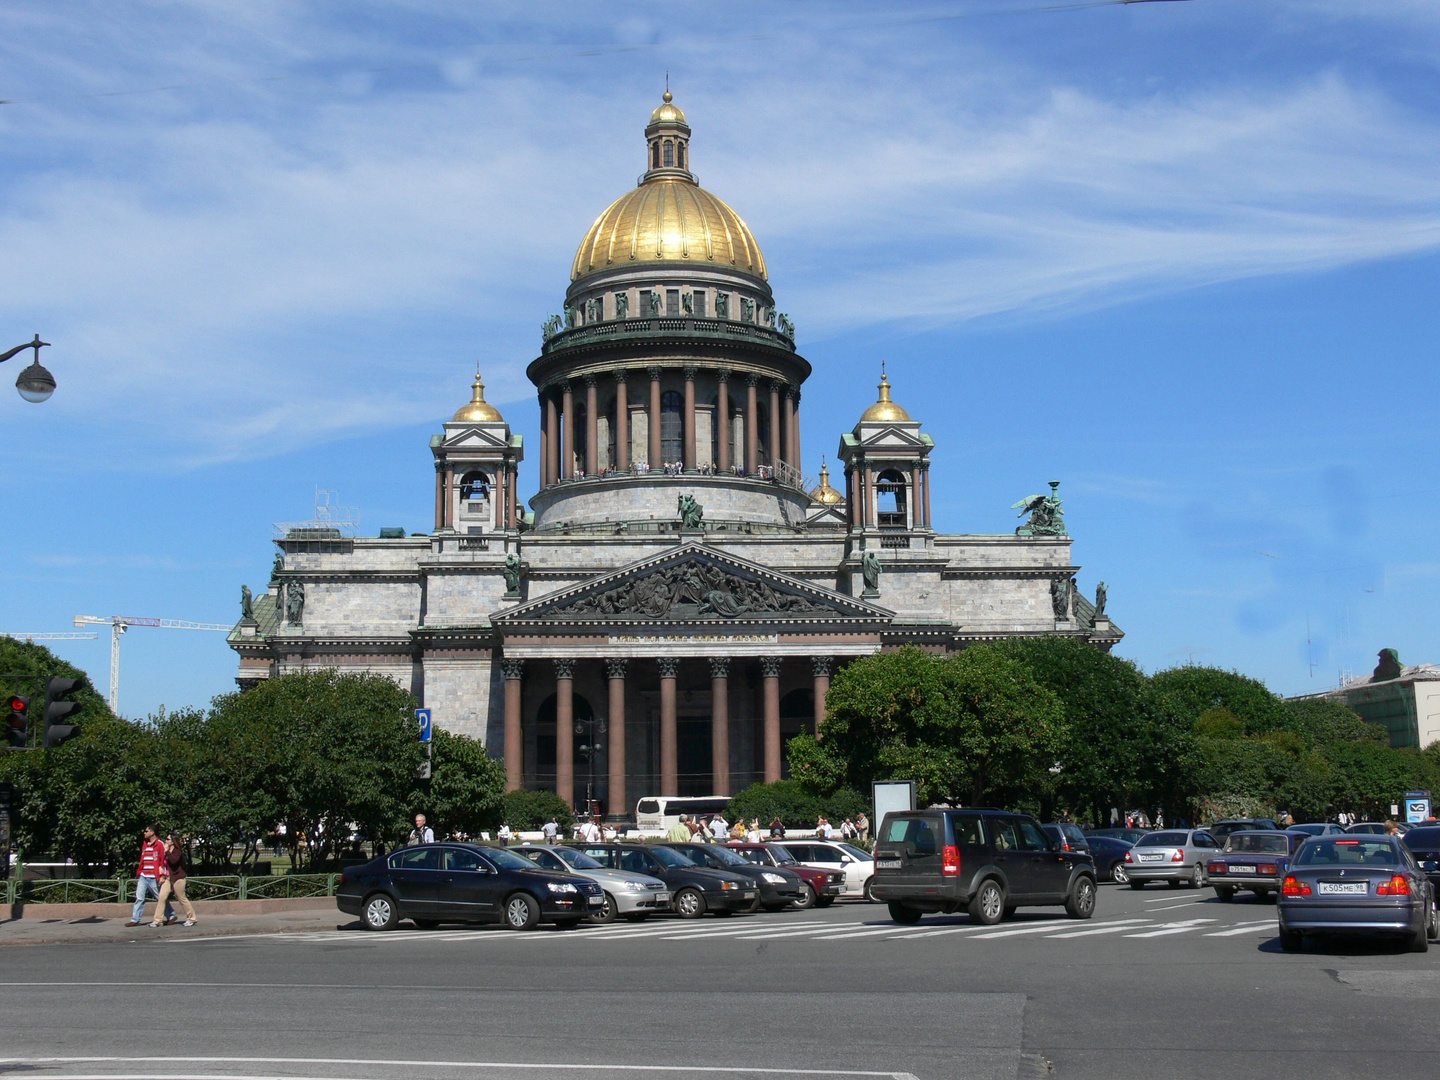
(887, 474)
(477, 459)
(671, 372)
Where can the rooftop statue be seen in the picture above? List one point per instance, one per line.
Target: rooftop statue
(871, 569)
(1046, 517)
(295, 603)
(691, 512)
(1100, 597)
(1060, 595)
(277, 565)
(513, 569)
(551, 327)
(247, 603)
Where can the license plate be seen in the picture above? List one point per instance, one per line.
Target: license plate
(887, 864)
(1345, 888)
(1240, 868)
(1151, 858)
(597, 901)
(663, 897)
(747, 896)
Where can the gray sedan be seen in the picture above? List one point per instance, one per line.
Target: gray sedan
(1174, 855)
(1368, 885)
(633, 896)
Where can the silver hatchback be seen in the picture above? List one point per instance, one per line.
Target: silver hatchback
(1174, 855)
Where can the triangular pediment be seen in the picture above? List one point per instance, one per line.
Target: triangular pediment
(477, 437)
(891, 437)
(692, 584)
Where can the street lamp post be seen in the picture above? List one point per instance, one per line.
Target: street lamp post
(35, 383)
(590, 731)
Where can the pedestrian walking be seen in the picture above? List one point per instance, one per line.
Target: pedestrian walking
(506, 834)
(174, 882)
(147, 878)
(862, 827)
(777, 829)
(551, 830)
(680, 832)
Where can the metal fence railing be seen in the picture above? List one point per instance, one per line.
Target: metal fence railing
(122, 890)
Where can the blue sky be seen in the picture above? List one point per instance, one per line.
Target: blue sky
(1180, 256)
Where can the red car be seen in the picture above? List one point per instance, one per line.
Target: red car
(821, 886)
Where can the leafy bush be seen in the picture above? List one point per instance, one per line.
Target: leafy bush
(795, 805)
(531, 809)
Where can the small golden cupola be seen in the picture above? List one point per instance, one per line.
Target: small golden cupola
(884, 409)
(825, 493)
(478, 410)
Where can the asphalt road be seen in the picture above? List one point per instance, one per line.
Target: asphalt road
(1161, 983)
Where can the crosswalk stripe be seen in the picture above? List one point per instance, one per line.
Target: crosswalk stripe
(816, 930)
(1246, 928)
(747, 931)
(1111, 928)
(967, 928)
(678, 929)
(1173, 928)
(1045, 928)
(866, 933)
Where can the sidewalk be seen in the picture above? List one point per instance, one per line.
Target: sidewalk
(44, 924)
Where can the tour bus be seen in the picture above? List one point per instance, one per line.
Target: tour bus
(656, 814)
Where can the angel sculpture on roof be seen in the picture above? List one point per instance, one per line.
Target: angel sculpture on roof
(1046, 516)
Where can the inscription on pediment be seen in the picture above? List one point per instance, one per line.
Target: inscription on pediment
(693, 589)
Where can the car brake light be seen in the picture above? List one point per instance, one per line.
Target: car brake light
(1294, 887)
(1396, 886)
(1217, 868)
(950, 861)
(1267, 869)
(1128, 858)
(1179, 855)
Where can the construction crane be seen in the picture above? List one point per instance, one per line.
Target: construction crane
(119, 624)
(50, 637)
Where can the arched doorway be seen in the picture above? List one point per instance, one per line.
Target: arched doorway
(545, 741)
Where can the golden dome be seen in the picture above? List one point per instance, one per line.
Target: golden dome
(825, 493)
(884, 409)
(478, 410)
(667, 113)
(668, 219)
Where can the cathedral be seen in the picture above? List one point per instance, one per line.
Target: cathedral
(669, 607)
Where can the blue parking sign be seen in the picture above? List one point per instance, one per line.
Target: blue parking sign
(423, 716)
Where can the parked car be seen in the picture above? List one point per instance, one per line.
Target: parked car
(1424, 846)
(434, 883)
(1376, 828)
(1128, 835)
(633, 896)
(1109, 855)
(986, 862)
(694, 890)
(1319, 828)
(1356, 885)
(855, 865)
(1253, 859)
(1174, 855)
(822, 886)
(1221, 829)
(779, 887)
(1068, 836)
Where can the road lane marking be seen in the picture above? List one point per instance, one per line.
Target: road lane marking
(1247, 928)
(1173, 928)
(1109, 928)
(1048, 927)
(742, 1070)
(704, 930)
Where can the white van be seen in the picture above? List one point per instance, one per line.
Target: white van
(655, 815)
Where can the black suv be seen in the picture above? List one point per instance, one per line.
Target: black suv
(986, 862)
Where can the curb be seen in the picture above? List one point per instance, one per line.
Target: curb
(202, 908)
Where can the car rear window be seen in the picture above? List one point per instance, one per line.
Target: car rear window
(1163, 839)
(917, 831)
(1358, 851)
(969, 830)
(1257, 843)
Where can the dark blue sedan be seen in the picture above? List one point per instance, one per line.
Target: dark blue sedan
(1356, 885)
(1109, 855)
(434, 883)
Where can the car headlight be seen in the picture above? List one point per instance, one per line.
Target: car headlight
(729, 885)
(561, 887)
(774, 879)
(635, 886)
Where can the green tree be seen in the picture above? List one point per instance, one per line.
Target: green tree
(794, 804)
(466, 789)
(528, 810)
(973, 727)
(1192, 690)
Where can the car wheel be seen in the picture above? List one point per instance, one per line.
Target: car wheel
(689, 904)
(1225, 896)
(1118, 874)
(380, 912)
(907, 916)
(1197, 877)
(1137, 884)
(1420, 940)
(1080, 904)
(987, 906)
(807, 897)
(1290, 940)
(521, 912)
(607, 914)
(1432, 924)
(870, 891)
(426, 924)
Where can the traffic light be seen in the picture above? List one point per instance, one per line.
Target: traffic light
(57, 709)
(17, 724)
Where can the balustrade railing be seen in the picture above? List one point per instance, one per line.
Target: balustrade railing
(198, 887)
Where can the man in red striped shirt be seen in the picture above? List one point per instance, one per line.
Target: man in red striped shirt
(152, 867)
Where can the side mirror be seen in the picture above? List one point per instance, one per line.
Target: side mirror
(846, 859)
